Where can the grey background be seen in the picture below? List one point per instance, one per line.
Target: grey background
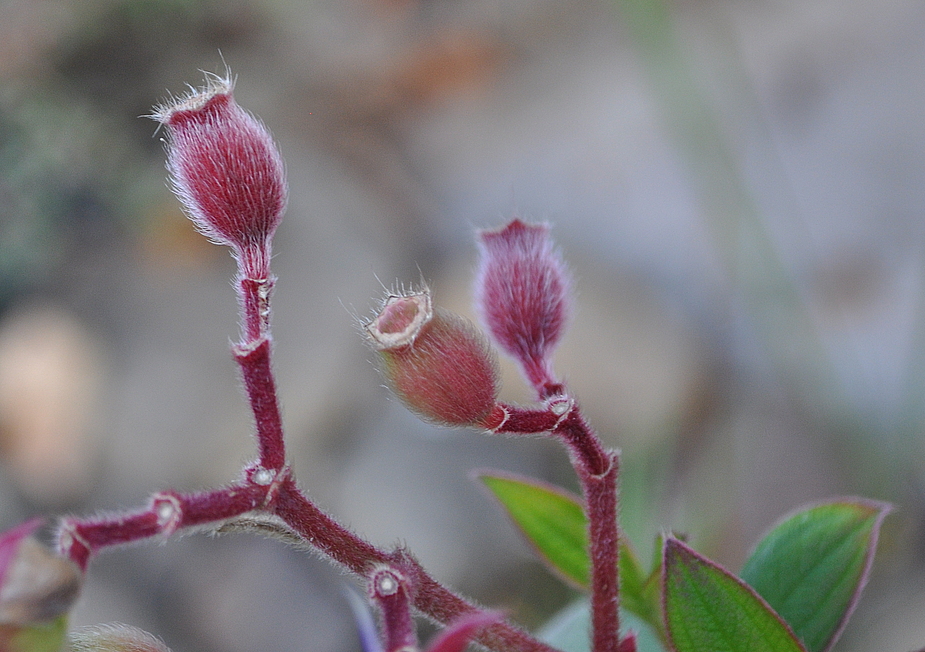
(737, 190)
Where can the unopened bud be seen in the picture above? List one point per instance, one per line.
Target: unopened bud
(522, 294)
(226, 170)
(438, 363)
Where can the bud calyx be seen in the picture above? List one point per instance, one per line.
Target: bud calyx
(400, 320)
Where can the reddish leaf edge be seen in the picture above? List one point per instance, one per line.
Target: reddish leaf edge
(882, 509)
(673, 545)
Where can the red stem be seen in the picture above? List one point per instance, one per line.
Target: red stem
(261, 392)
(539, 374)
(270, 488)
(169, 512)
(603, 534)
(324, 533)
(389, 589)
(311, 523)
(597, 471)
(444, 607)
(585, 446)
(254, 296)
(430, 597)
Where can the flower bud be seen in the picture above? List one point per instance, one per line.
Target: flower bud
(522, 294)
(226, 170)
(437, 363)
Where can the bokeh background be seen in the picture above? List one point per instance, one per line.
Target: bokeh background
(737, 186)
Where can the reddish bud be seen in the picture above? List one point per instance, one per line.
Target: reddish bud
(522, 294)
(438, 363)
(226, 170)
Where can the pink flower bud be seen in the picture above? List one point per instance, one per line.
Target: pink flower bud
(438, 363)
(226, 170)
(522, 294)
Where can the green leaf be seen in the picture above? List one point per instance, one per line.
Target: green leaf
(551, 519)
(640, 593)
(633, 582)
(707, 609)
(47, 636)
(812, 566)
(569, 630)
(650, 599)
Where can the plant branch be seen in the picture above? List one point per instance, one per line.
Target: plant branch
(430, 597)
(254, 361)
(278, 495)
(254, 295)
(597, 470)
(167, 512)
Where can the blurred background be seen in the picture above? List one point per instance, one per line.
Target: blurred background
(736, 185)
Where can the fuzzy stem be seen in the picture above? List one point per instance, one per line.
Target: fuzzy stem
(269, 488)
(603, 535)
(254, 297)
(389, 589)
(539, 374)
(513, 420)
(586, 448)
(279, 495)
(261, 393)
(430, 597)
(443, 606)
(82, 539)
(324, 533)
(597, 470)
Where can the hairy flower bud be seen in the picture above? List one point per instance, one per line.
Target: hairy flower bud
(438, 363)
(226, 170)
(522, 294)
